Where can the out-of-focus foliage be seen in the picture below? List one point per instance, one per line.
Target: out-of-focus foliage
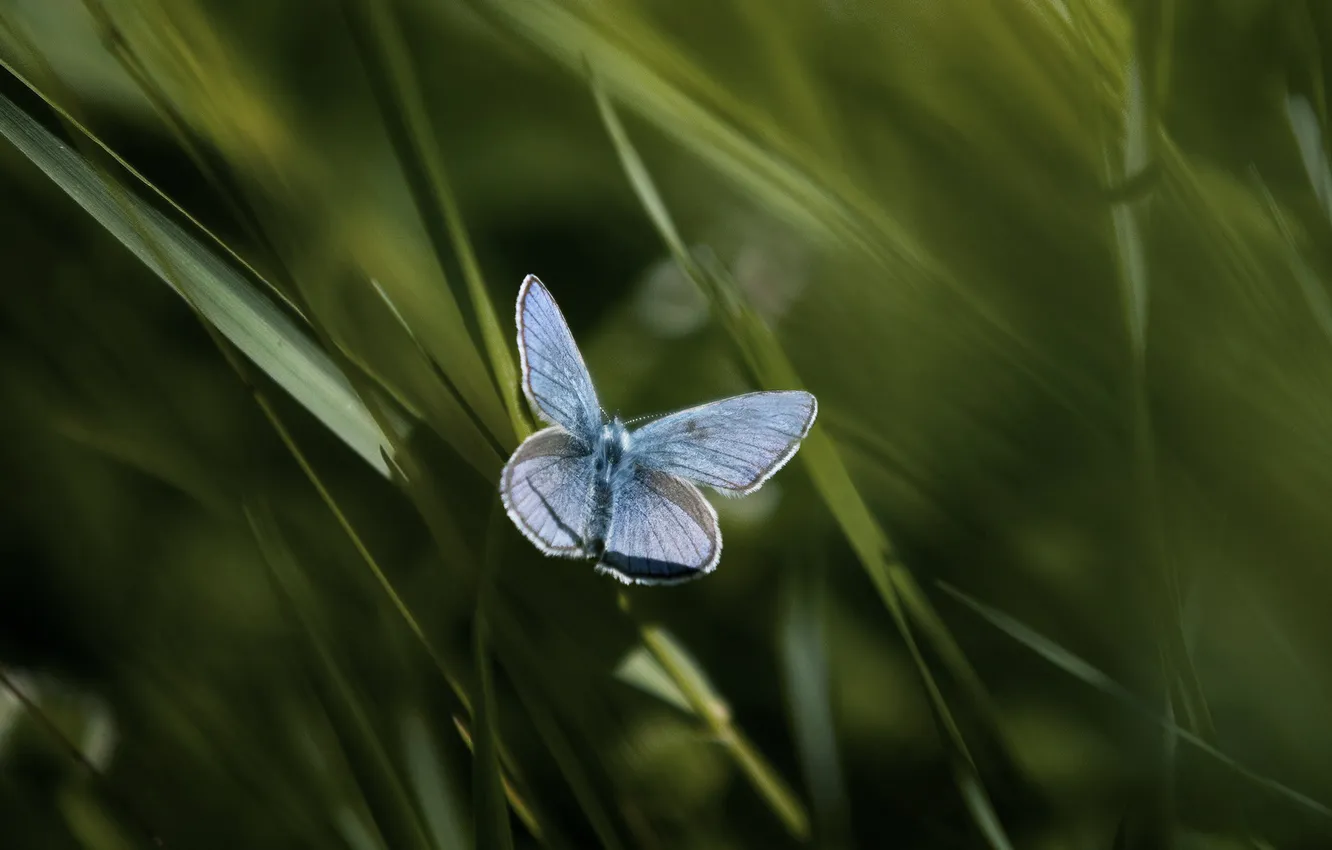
(1052, 570)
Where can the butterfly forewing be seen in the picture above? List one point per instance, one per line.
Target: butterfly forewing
(734, 444)
(545, 488)
(554, 376)
(663, 531)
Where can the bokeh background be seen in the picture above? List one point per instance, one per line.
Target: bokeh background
(1051, 571)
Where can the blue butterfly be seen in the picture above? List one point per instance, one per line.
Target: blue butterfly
(588, 487)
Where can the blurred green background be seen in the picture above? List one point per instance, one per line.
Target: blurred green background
(1051, 571)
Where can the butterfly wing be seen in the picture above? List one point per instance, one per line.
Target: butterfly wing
(663, 531)
(733, 445)
(545, 487)
(554, 376)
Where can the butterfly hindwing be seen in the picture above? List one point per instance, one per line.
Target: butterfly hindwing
(733, 445)
(545, 488)
(554, 376)
(663, 531)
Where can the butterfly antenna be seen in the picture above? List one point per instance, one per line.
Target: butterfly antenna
(646, 417)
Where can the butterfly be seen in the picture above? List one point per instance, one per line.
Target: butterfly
(588, 487)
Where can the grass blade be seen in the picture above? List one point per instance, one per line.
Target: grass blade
(712, 708)
(765, 358)
(642, 670)
(781, 175)
(517, 801)
(1309, 136)
(803, 645)
(22, 697)
(388, 63)
(433, 795)
(246, 317)
(378, 780)
(538, 691)
(492, 815)
(1086, 672)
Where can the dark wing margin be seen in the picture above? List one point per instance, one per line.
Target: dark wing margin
(663, 531)
(545, 487)
(732, 445)
(555, 378)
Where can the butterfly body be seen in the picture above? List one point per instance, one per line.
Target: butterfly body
(609, 467)
(588, 487)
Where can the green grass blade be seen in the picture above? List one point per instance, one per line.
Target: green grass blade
(91, 824)
(1128, 236)
(1080, 669)
(446, 411)
(844, 216)
(82, 130)
(1313, 153)
(1134, 293)
(803, 651)
(538, 692)
(388, 62)
(764, 356)
(1135, 283)
(1315, 295)
(713, 709)
(246, 317)
(977, 801)
(117, 44)
(517, 800)
(382, 787)
(24, 701)
(663, 85)
(433, 795)
(642, 670)
(492, 815)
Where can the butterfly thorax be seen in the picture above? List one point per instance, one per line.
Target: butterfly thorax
(612, 446)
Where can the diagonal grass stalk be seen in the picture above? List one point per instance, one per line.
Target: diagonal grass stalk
(763, 355)
(1080, 669)
(385, 56)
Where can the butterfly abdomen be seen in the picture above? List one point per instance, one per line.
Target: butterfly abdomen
(607, 464)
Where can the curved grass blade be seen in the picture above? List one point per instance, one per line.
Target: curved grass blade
(1309, 136)
(247, 318)
(390, 420)
(803, 644)
(117, 44)
(492, 816)
(1315, 295)
(387, 61)
(1135, 283)
(641, 670)
(516, 800)
(443, 408)
(766, 360)
(1083, 670)
(713, 709)
(387, 798)
(129, 169)
(433, 795)
(446, 411)
(20, 695)
(780, 175)
(537, 691)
